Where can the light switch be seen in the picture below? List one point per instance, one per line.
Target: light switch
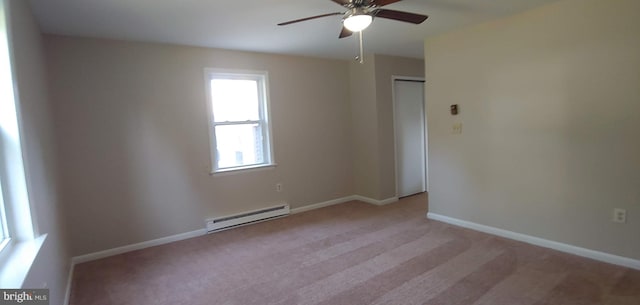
(457, 128)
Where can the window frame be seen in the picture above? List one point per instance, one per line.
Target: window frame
(22, 241)
(9, 153)
(262, 79)
(5, 237)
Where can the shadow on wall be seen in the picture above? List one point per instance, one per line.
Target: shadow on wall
(126, 154)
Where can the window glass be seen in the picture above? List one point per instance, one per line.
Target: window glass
(235, 100)
(239, 123)
(239, 145)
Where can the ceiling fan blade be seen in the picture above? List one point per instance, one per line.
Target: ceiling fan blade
(342, 2)
(309, 18)
(401, 16)
(345, 32)
(383, 2)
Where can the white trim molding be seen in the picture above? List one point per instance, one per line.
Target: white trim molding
(375, 201)
(343, 200)
(17, 259)
(322, 204)
(425, 155)
(165, 240)
(562, 247)
(169, 239)
(137, 246)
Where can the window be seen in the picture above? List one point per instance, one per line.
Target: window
(239, 123)
(19, 244)
(7, 117)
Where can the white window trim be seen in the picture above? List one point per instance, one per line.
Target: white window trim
(22, 246)
(5, 238)
(265, 114)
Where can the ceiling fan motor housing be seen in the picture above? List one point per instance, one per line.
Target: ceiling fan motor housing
(357, 11)
(360, 13)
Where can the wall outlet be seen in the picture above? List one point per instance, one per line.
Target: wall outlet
(619, 215)
(278, 187)
(457, 128)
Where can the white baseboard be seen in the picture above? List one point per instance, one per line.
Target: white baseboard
(588, 253)
(177, 237)
(128, 248)
(322, 204)
(343, 200)
(375, 201)
(165, 240)
(138, 246)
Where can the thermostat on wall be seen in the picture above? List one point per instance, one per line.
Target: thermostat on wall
(454, 109)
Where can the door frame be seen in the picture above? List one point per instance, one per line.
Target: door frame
(395, 78)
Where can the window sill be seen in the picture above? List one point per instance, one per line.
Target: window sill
(245, 169)
(16, 260)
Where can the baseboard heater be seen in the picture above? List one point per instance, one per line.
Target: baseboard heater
(245, 218)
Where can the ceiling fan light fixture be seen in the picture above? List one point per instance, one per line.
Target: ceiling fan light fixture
(357, 21)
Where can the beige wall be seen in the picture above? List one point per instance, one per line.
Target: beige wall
(372, 115)
(132, 129)
(364, 111)
(51, 266)
(549, 103)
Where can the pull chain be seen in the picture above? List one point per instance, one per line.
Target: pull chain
(361, 57)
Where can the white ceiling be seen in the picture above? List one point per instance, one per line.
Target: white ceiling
(250, 25)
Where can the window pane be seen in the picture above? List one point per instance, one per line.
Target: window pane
(235, 100)
(239, 145)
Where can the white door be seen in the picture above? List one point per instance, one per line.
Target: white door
(410, 128)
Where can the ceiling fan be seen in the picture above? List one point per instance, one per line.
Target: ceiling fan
(360, 14)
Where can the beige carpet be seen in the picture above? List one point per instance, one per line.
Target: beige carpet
(353, 253)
